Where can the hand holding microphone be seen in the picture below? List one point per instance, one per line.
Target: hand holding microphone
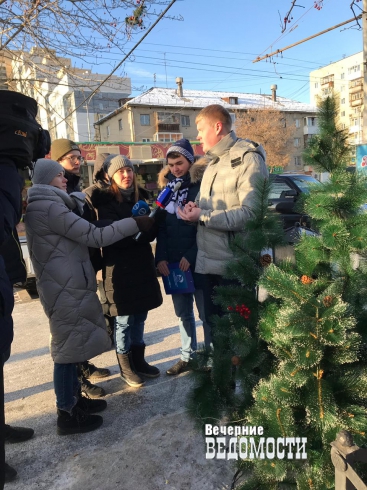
(144, 222)
(163, 199)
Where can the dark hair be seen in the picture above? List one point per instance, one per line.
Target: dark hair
(115, 190)
(176, 154)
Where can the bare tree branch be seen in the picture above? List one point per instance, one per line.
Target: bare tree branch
(269, 127)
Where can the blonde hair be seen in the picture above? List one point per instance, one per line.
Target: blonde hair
(215, 113)
(115, 189)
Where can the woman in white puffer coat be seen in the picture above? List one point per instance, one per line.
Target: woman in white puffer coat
(58, 241)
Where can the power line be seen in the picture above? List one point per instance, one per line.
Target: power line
(162, 14)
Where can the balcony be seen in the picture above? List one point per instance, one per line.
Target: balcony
(327, 81)
(164, 127)
(311, 129)
(356, 102)
(356, 89)
(355, 74)
(355, 128)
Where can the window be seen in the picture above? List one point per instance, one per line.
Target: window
(316, 84)
(233, 100)
(233, 117)
(297, 142)
(120, 124)
(185, 120)
(168, 118)
(354, 69)
(342, 88)
(342, 113)
(343, 126)
(146, 140)
(298, 124)
(342, 76)
(145, 119)
(342, 101)
(298, 161)
(278, 190)
(108, 131)
(100, 106)
(167, 137)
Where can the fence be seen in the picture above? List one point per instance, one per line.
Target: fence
(343, 454)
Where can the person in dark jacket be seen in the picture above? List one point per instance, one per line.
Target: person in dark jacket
(176, 242)
(68, 154)
(100, 181)
(12, 270)
(129, 275)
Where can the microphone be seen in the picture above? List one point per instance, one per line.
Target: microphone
(163, 199)
(140, 208)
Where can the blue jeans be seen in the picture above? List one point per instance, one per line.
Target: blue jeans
(184, 309)
(66, 386)
(129, 330)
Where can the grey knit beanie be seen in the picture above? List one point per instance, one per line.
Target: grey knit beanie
(45, 171)
(114, 163)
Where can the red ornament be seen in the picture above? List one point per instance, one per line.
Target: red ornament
(243, 310)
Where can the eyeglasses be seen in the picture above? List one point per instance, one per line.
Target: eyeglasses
(75, 158)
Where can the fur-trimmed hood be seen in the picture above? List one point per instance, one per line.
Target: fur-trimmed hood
(102, 196)
(196, 171)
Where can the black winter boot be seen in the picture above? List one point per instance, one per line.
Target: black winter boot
(17, 434)
(127, 372)
(10, 473)
(140, 364)
(89, 405)
(77, 422)
(89, 370)
(91, 390)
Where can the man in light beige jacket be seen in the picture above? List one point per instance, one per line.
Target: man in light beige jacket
(226, 196)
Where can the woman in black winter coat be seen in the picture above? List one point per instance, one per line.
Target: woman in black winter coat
(129, 275)
(176, 242)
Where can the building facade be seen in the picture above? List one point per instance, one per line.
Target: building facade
(164, 115)
(344, 78)
(60, 90)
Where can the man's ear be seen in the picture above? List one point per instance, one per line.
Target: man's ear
(218, 126)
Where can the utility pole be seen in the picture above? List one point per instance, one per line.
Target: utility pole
(364, 19)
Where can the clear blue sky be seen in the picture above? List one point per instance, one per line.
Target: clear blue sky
(213, 47)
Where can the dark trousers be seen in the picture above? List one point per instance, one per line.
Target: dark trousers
(208, 283)
(3, 359)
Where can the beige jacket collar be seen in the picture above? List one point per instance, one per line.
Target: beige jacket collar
(222, 146)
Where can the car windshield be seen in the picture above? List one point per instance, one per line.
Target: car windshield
(304, 182)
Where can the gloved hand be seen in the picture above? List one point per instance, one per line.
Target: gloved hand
(145, 224)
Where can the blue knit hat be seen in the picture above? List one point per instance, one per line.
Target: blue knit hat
(184, 148)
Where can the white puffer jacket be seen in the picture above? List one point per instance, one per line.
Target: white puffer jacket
(226, 199)
(58, 242)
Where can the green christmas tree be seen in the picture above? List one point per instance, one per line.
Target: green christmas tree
(238, 355)
(314, 326)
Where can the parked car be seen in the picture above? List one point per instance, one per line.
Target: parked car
(286, 189)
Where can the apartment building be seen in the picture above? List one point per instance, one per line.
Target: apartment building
(345, 79)
(165, 115)
(61, 89)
